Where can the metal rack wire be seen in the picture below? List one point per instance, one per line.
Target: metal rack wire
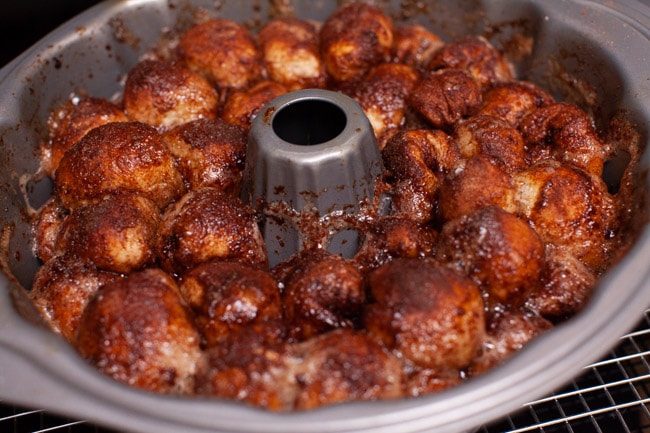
(612, 395)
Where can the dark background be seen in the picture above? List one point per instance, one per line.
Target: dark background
(23, 22)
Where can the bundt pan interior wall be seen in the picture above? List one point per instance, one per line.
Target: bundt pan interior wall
(594, 53)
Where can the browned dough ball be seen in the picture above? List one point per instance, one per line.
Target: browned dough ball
(492, 137)
(241, 107)
(566, 133)
(252, 365)
(353, 39)
(229, 296)
(423, 381)
(46, 226)
(473, 184)
(70, 122)
(415, 161)
(393, 236)
(477, 56)
(165, 94)
(139, 331)
(415, 45)
(566, 285)
(498, 250)
(345, 365)
(512, 101)
(507, 334)
(428, 313)
(570, 209)
(210, 152)
(290, 50)
(116, 232)
(121, 155)
(62, 288)
(208, 224)
(383, 95)
(322, 291)
(223, 51)
(445, 97)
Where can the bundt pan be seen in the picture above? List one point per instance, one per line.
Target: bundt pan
(594, 53)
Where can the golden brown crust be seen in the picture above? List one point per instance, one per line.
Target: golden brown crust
(475, 55)
(138, 331)
(473, 184)
(513, 100)
(500, 251)
(252, 365)
(209, 152)
(69, 123)
(229, 296)
(415, 45)
(241, 107)
(345, 365)
(321, 292)
(116, 232)
(165, 94)
(223, 51)
(570, 209)
(434, 317)
(566, 133)
(383, 95)
(415, 161)
(492, 137)
(208, 224)
(565, 286)
(120, 155)
(391, 237)
(445, 97)
(507, 333)
(353, 39)
(46, 226)
(423, 381)
(290, 48)
(62, 288)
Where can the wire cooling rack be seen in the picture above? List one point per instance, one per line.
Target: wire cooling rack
(611, 396)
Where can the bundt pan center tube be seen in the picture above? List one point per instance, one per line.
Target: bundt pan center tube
(312, 156)
(593, 53)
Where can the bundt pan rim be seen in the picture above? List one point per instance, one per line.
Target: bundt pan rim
(39, 369)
